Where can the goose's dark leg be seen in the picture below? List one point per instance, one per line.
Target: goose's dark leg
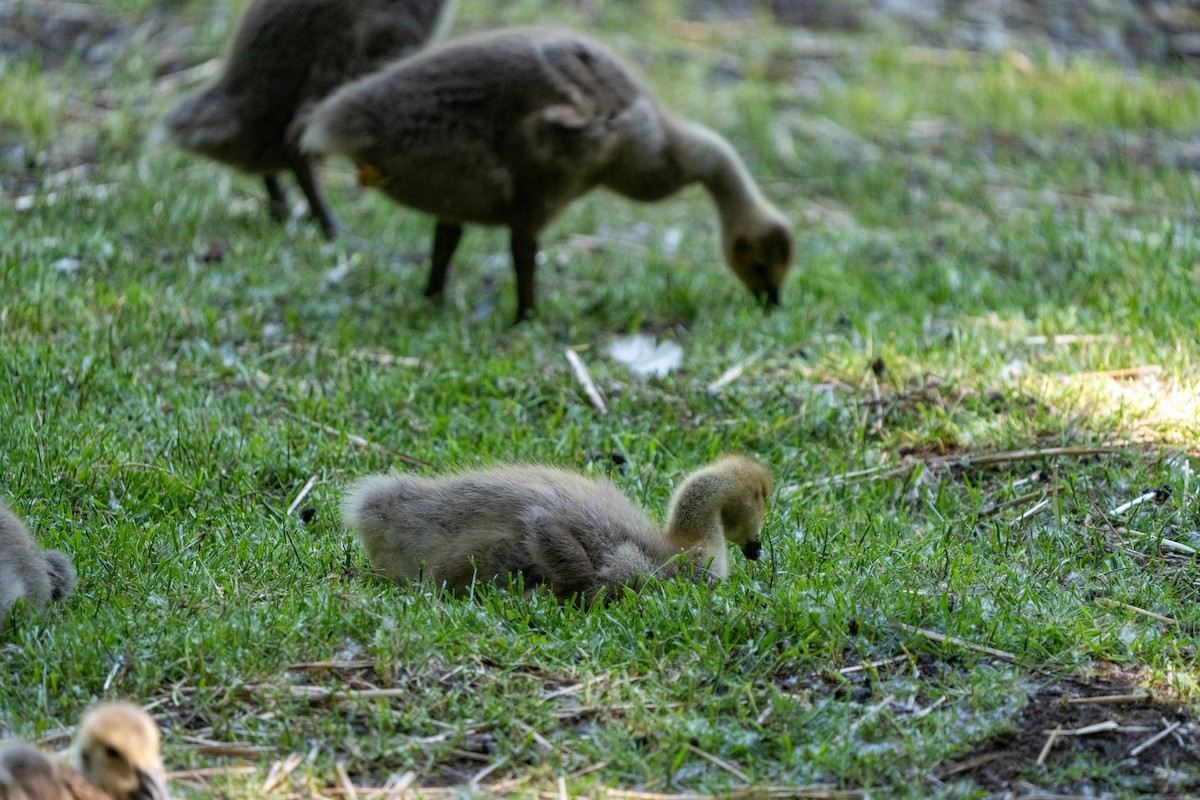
(316, 204)
(524, 256)
(445, 241)
(279, 207)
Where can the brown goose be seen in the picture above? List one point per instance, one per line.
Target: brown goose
(508, 127)
(287, 54)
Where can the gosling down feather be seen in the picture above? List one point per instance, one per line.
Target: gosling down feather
(27, 572)
(287, 54)
(508, 127)
(577, 535)
(115, 756)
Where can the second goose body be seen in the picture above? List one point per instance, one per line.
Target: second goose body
(508, 127)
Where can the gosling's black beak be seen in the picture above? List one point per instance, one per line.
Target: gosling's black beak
(752, 549)
(151, 786)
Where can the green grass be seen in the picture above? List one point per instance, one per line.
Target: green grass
(174, 362)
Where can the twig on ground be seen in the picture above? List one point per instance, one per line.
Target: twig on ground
(478, 777)
(574, 688)
(730, 375)
(1104, 601)
(883, 662)
(929, 709)
(585, 379)
(1110, 699)
(817, 792)
(972, 763)
(962, 462)
(1069, 338)
(348, 788)
(1029, 497)
(1155, 739)
(308, 485)
(204, 774)
(868, 715)
(394, 789)
(1035, 510)
(1137, 501)
(1164, 543)
(1086, 730)
(588, 770)
(1050, 740)
(307, 666)
(280, 771)
(954, 640)
(717, 762)
(1123, 374)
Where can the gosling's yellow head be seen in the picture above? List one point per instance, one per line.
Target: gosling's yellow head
(742, 518)
(759, 250)
(117, 749)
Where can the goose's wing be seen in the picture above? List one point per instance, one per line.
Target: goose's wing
(557, 553)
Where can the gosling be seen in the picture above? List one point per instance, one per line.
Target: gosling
(27, 572)
(116, 756)
(577, 535)
(287, 54)
(508, 127)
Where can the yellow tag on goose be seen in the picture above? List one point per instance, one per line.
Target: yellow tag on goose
(369, 175)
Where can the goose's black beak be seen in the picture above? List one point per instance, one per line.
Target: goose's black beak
(151, 786)
(752, 549)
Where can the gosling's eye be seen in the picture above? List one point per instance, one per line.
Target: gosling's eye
(111, 752)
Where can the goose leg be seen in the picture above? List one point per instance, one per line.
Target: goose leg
(279, 208)
(316, 204)
(445, 241)
(524, 255)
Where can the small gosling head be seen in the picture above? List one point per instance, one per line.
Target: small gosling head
(743, 518)
(117, 749)
(760, 252)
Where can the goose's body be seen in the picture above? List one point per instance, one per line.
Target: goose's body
(27, 572)
(508, 127)
(115, 756)
(577, 535)
(286, 55)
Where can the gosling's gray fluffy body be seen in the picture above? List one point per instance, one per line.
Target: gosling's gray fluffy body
(578, 535)
(27, 572)
(287, 54)
(508, 127)
(115, 756)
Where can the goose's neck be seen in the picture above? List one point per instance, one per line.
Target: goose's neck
(695, 518)
(706, 157)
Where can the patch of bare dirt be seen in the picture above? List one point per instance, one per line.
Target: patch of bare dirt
(1143, 741)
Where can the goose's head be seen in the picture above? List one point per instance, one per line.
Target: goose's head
(759, 250)
(117, 749)
(742, 516)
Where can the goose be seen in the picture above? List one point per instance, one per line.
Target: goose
(27, 572)
(287, 54)
(577, 535)
(508, 127)
(115, 756)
